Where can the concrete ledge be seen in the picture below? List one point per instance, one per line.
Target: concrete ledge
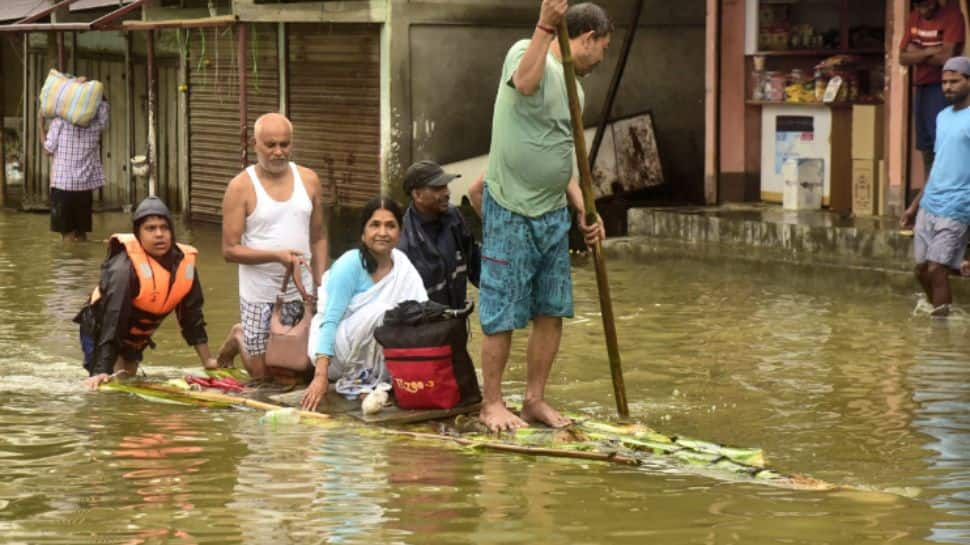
(800, 237)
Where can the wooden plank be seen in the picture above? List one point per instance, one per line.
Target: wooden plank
(203, 22)
(350, 11)
(45, 12)
(44, 27)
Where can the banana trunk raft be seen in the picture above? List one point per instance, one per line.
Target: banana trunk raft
(627, 444)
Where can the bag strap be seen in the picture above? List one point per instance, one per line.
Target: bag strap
(293, 271)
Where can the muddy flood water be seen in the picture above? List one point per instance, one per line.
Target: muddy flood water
(830, 374)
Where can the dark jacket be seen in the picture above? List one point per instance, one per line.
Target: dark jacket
(107, 320)
(444, 252)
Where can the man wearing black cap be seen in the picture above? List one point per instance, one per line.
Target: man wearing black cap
(934, 33)
(942, 210)
(146, 276)
(436, 238)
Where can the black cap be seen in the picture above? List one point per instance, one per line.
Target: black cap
(151, 206)
(426, 174)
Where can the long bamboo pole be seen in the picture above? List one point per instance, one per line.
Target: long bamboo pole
(523, 449)
(586, 183)
(229, 400)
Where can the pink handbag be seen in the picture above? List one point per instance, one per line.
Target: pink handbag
(287, 345)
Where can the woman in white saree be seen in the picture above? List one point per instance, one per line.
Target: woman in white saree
(353, 296)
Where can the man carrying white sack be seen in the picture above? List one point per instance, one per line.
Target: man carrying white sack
(76, 170)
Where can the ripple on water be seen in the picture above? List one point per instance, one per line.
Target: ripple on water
(831, 375)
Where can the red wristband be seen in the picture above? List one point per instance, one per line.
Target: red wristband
(548, 29)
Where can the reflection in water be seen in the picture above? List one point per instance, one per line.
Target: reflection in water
(941, 380)
(830, 374)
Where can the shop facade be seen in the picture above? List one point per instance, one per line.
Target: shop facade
(371, 85)
(810, 92)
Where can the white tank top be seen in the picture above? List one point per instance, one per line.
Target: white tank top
(275, 225)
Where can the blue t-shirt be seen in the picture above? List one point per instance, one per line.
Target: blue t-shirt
(947, 192)
(347, 278)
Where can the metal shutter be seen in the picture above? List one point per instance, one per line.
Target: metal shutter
(214, 108)
(334, 103)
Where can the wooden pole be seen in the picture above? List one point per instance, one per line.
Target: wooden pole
(72, 65)
(607, 111)
(586, 184)
(183, 127)
(61, 57)
(243, 36)
(712, 97)
(152, 112)
(130, 191)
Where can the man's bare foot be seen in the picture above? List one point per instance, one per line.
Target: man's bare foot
(497, 417)
(231, 347)
(540, 411)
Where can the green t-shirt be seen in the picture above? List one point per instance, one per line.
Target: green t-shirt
(531, 157)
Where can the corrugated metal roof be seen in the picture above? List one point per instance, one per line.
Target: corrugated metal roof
(11, 10)
(91, 4)
(18, 9)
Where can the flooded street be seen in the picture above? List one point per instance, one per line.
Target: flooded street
(830, 374)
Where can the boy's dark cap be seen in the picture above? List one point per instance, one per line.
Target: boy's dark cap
(151, 206)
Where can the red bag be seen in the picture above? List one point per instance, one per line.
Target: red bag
(423, 378)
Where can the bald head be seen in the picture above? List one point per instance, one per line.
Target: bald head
(272, 122)
(273, 135)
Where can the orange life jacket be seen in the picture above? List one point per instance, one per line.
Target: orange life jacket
(158, 292)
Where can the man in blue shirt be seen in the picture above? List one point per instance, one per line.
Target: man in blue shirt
(436, 238)
(942, 210)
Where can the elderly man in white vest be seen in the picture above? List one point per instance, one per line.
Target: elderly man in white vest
(272, 220)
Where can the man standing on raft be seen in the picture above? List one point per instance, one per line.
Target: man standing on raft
(528, 186)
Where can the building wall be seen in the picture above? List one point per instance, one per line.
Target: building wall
(11, 73)
(101, 55)
(454, 56)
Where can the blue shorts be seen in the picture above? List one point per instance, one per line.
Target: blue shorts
(928, 102)
(525, 267)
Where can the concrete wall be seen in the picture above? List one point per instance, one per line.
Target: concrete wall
(449, 60)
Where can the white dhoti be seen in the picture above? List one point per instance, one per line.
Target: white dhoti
(358, 362)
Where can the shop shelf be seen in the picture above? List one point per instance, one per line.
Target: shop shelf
(830, 104)
(818, 52)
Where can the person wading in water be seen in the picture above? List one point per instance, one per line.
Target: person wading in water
(146, 276)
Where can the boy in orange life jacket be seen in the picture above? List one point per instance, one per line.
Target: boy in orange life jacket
(145, 277)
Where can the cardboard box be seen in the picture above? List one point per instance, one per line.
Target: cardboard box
(867, 131)
(865, 197)
(804, 181)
